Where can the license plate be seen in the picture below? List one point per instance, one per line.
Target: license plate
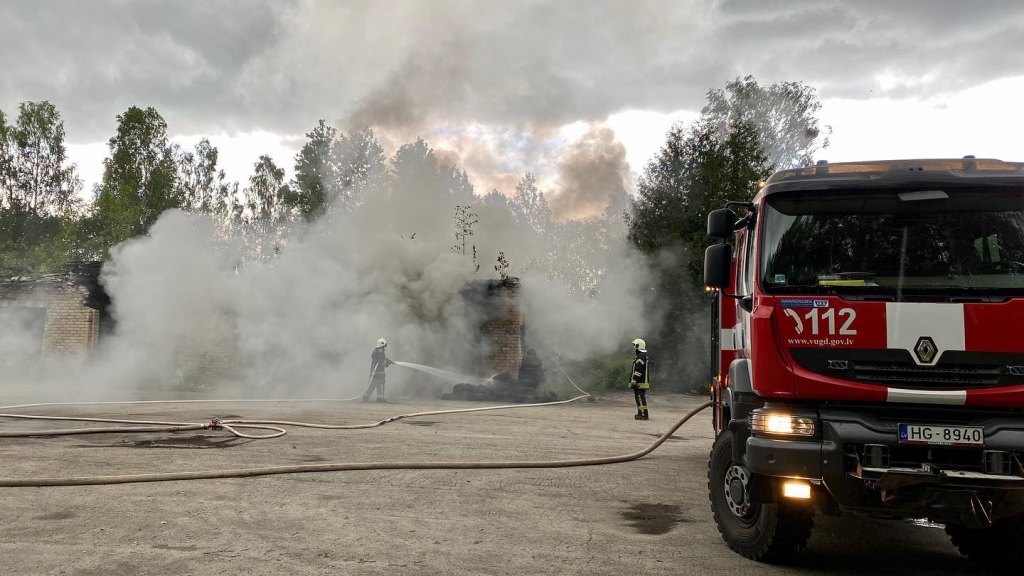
(942, 435)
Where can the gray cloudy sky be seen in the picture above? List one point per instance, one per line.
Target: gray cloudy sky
(508, 86)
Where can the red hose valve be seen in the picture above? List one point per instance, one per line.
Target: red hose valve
(215, 424)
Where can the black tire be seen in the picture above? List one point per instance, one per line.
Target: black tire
(767, 532)
(999, 547)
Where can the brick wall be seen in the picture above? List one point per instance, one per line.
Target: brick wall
(502, 328)
(71, 328)
(209, 354)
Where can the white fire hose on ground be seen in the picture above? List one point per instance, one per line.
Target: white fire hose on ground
(231, 425)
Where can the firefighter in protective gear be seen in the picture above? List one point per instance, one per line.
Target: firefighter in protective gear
(531, 371)
(639, 380)
(378, 362)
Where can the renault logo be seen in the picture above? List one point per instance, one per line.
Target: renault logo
(925, 350)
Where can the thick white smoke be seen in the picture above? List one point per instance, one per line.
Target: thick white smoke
(303, 323)
(291, 308)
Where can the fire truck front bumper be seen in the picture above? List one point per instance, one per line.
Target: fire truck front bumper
(863, 462)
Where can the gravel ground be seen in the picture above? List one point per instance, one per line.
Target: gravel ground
(646, 517)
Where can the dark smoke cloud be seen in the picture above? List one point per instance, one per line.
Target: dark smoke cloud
(590, 170)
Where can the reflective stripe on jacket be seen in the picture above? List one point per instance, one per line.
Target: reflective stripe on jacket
(640, 370)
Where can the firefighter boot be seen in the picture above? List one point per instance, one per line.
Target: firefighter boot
(639, 416)
(645, 415)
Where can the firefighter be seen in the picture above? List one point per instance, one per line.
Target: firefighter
(639, 380)
(378, 362)
(531, 370)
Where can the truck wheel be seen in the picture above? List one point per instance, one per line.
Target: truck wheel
(999, 547)
(762, 532)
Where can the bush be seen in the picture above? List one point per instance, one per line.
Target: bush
(598, 373)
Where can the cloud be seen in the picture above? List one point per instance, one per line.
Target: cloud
(261, 65)
(490, 83)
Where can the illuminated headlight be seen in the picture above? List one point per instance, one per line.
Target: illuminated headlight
(796, 489)
(776, 423)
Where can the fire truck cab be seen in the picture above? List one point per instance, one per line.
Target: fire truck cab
(868, 354)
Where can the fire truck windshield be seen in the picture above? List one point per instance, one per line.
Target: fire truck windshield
(966, 242)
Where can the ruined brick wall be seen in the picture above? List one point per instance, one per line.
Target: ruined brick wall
(503, 327)
(209, 354)
(71, 329)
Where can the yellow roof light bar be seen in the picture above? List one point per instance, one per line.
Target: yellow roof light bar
(967, 164)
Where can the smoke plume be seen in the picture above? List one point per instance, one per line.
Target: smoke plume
(302, 323)
(590, 171)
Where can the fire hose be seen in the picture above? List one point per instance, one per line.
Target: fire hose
(230, 426)
(344, 466)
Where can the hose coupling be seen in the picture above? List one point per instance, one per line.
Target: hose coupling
(215, 424)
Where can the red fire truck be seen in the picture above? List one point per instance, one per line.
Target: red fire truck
(868, 354)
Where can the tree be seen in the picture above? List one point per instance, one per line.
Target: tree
(38, 192)
(200, 180)
(530, 206)
(44, 181)
(456, 183)
(317, 181)
(264, 208)
(502, 267)
(360, 163)
(495, 199)
(8, 174)
(140, 178)
(574, 256)
(785, 115)
(617, 214)
(414, 168)
(695, 172)
(463, 223)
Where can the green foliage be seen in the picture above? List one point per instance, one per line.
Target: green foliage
(262, 210)
(31, 244)
(8, 172)
(203, 186)
(785, 115)
(335, 171)
(361, 168)
(38, 187)
(502, 267)
(418, 175)
(140, 178)
(315, 176)
(529, 205)
(463, 223)
(694, 173)
(744, 131)
(38, 177)
(599, 373)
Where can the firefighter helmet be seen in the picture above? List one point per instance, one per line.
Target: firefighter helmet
(638, 343)
(382, 343)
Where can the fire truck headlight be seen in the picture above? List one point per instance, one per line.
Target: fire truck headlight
(778, 424)
(796, 489)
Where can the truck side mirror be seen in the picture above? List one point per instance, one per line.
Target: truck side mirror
(721, 223)
(718, 266)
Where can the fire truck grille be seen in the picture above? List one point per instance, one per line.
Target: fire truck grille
(956, 370)
(969, 459)
(910, 375)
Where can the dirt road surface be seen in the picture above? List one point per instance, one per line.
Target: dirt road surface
(646, 517)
